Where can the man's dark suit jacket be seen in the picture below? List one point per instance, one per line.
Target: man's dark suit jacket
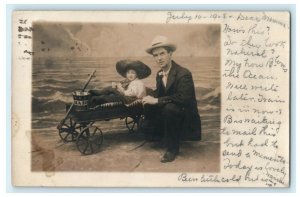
(180, 90)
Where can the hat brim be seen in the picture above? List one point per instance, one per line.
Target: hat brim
(142, 70)
(170, 45)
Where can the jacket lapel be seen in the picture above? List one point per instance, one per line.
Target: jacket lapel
(171, 76)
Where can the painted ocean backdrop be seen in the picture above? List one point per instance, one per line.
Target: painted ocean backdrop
(54, 80)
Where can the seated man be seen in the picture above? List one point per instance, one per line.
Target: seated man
(172, 107)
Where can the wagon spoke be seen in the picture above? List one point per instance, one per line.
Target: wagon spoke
(132, 126)
(89, 140)
(68, 128)
(66, 125)
(131, 122)
(64, 130)
(85, 149)
(73, 137)
(79, 144)
(91, 146)
(78, 127)
(65, 138)
(84, 137)
(94, 131)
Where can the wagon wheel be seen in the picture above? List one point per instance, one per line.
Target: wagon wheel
(140, 123)
(131, 123)
(89, 140)
(68, 132)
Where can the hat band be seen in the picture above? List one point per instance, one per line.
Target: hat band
(156, 43)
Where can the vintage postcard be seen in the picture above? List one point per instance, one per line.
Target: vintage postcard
(150, 99)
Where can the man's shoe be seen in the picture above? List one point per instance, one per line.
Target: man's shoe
(168, 157)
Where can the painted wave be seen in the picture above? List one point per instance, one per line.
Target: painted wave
(54, 102)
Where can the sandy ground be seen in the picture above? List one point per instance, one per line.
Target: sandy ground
(121, 151)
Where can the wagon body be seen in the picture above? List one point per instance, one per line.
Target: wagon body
(80, 117)
(106, 111)
(78, 126)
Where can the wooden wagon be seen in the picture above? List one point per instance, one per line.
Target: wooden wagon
(79, 125)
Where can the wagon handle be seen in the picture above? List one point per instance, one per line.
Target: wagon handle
(69, 110)
(90, 78)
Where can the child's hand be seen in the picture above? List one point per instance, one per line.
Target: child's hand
(114, 85)
(120, 88)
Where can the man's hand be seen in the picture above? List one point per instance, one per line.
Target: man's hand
(150, 100)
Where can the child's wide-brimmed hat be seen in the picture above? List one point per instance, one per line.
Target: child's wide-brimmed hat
(142, 70)
(160, 41)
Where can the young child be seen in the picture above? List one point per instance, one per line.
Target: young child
(128, 90)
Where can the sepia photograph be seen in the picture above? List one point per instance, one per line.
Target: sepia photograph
(125, 97)
(151, 98)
